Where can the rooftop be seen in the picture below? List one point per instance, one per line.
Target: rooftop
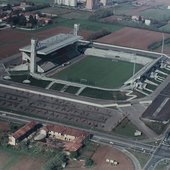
(53, 43)
(74, 145)
(66, 130)
(22, 131)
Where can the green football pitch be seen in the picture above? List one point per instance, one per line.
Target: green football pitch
(100, 72)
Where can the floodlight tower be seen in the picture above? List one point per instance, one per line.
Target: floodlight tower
(76, 29)
(33, 56)
(134, 65)
(163, 42)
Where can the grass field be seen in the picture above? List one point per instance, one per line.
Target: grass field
(165, 28)
(85, 24)
(34, 82)
(103, 94)
(57, 86)
(142, 157)
(16, 161)
(163, 165)
(126, 128)
(157, 14)
(98, 72)
(72, 89)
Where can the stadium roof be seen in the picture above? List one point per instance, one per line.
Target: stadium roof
(53, 43)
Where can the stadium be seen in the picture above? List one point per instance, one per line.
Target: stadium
(68, 64)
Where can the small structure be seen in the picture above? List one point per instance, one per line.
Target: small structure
(147, 22)
(107, 160)
(23, 133)
(137, 133)
(41, 135)
(135, 18)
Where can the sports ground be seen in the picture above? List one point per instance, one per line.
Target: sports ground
(100, 72)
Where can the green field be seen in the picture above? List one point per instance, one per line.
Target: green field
(34, 82)
(86, 24)
(142, 157)
(156, 14)
(165, 28)
(103, 94)
(163, 165)
(99, 72)
(72, 89)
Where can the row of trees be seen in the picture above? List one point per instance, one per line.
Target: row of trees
(22, 21)
(101, 13)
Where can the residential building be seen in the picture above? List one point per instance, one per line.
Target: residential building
(75, 138)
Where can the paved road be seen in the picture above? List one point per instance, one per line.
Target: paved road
(158, 153)
(161, 152)
(98, 136)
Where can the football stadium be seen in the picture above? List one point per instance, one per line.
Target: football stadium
(68, 64)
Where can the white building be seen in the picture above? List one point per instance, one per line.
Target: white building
(72, 3)
(147, 22)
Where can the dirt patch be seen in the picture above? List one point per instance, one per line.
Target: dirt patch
(104, 153)
(133, 37)
(4, 126)
(100, 156)
(12, 40)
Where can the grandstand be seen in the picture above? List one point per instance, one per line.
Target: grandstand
(52, 51)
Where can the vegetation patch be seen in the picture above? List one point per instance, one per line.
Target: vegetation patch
(163, 165)
(57, 86)
(142, 157)
(157, 127)
(103, 94)
(72, 89)
(126, 128)
(33, 81)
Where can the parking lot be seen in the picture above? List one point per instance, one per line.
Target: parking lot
(58, 110)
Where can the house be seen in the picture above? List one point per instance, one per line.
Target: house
(23, 133)
(75, 138)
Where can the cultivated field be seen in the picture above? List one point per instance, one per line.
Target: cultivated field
(98, 72)
(13, 161)
(133, 37)
(146, 5)
(68, 17)
(12, 40)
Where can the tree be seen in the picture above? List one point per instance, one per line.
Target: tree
(74, 155)
(56, 162)
(89, 162)
(32, 20)
(22, 20)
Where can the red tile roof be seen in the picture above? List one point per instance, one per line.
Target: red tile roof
(74, 145)
(26, 128)
(66, 130)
